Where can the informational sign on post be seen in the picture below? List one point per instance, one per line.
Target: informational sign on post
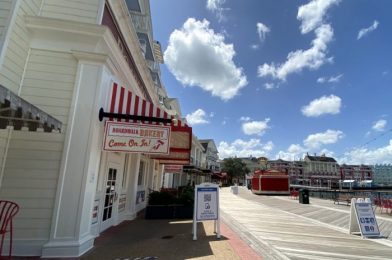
(362, 218)
(206, 206)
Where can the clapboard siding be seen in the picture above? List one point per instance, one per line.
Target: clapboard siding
(81, 11)
(31, 176)
(18, 46)
(3, 144)
(27, 164)
(5, 11)
(49, 82)
(35, 145)
(21, 193)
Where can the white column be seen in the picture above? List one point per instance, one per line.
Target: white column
(133, 168)
(71, 223)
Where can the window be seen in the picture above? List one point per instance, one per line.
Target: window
(140, 177)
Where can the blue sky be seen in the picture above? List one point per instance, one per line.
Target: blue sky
(282, 78)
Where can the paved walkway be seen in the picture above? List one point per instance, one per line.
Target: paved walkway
(253, 227)
(280, 228)
(168, 240)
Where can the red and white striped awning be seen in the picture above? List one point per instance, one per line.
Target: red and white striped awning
(123, 101)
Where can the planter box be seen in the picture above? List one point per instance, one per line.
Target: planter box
(168, 212)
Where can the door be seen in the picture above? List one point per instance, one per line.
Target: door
(110, 196)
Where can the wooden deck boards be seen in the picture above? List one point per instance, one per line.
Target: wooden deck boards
(281, 228)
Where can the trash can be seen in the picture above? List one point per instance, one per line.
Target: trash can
(234, 189)
(304, 196)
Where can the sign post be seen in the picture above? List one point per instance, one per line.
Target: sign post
(206, 206)
(362, 218)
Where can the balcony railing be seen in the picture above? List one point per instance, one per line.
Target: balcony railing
(141, 22)
(153, 65)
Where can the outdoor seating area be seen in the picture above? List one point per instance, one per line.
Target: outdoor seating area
(384, 204)
(343, 197)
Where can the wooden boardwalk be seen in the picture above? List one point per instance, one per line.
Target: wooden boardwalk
(278, 227)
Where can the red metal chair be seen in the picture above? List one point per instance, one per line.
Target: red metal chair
(387, 205)
(294, 194)
(8, 210)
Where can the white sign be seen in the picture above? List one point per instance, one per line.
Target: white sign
(136, 138)
(362, 218)
(206, 206)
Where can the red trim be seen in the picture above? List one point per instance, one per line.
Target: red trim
(144, 104)
(136, 107)
(113, 103)
(171, 159)
(151, 112)
(179, 150)
(158, 114)
(120, 104)
(128, 109)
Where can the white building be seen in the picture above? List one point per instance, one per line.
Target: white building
(69, 59)
(321, 171)
(211, 155)
(382, 174)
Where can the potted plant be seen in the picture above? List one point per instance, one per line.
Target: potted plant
(165, 205)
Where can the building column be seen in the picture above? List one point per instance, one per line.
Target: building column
(71, 222)
(133, 168)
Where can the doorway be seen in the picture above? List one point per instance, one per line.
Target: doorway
(110, 191)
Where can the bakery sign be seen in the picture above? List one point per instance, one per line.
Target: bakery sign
(136, 138)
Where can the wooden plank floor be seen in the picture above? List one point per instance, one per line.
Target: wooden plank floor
(278, 227)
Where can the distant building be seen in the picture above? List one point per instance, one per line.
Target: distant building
(358, 173)
(211, 155)
(321, 171)
(252, 163)
(382, 175)
(296, 172)
(280, 165)
(294, 169)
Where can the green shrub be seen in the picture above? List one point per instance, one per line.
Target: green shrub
(160, 198)
(165, 197)
(187, 196)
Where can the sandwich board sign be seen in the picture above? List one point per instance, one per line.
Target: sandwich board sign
(206, 206)
(362, 218)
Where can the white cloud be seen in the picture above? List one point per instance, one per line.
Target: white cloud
(298, 60)
(362, 155)
(242, 148)
(364, 31)
(216, 6)
(322, 80)
(332, 79)
(262, 30)
(314, 141)
(245, 118)
(324, 105)
(197, 56)
(255, 46)
(270, 85)
(312, 14)
(197, 117)
(380, 125)
(296, 152)
(255, 127)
